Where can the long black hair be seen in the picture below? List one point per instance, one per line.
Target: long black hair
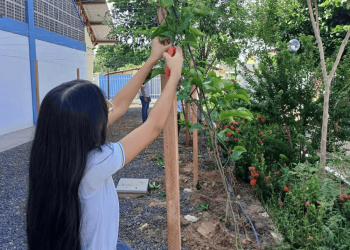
(72, 122)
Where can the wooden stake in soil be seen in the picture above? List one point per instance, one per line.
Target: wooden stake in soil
(194, 138)
(172, 177)
(171, 158)
(108, 84)
(78, 74)
(37, 87)
(187, 111)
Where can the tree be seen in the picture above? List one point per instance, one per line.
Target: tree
(327, 78)
(221, 29)
(117, 57)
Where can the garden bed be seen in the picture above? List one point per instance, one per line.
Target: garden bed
(143, 219)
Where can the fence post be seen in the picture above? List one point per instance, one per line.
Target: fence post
(171, 157)
(37, 87)
(108, 85)
(78, 74)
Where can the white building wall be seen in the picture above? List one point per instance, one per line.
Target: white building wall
(58, 64)
(15, 86)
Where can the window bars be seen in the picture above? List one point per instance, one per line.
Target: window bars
(60, 17)
(14, 9)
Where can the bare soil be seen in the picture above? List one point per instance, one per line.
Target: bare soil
(143, 219)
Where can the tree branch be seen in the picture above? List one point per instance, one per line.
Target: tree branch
(317, 20)
(319, 41)
(340, 53)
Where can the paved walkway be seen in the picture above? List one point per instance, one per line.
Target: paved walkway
(16, 138)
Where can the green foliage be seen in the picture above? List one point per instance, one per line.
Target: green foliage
(118, 57)
(308, 208)
(153, 185)
(285, 20)
(203, 206)
(160, 160)
(285, 89)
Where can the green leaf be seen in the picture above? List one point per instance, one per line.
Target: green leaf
(196, 126)
(236, 113)
(106, 23)
(222, 135)
(212, 74)
(181, 97)
(159, 31)
(198, 186)
(197, 82)
(203, 206)
(217, 83)
(185, 22)
(166, 3)
(241, 94)
(169, 34)
(191, 39)
(163, 194)
(238, 150)
(156, 72)
(201, 9)
(228, 85)
(201, 70)
(196, 32)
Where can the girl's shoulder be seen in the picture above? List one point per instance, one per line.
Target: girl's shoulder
(103, 163)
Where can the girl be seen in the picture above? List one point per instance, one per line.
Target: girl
(72, 202)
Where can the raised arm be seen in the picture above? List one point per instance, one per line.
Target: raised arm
(141, 137)
(124, 97)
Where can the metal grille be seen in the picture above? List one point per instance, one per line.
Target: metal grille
(58, 16)
(14, 9)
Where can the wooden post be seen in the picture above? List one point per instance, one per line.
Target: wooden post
(194, 139)
(187, 112)
(78, 74)
(37, 87)
(172, 177)
(194, 136)
(108, 84)
(171, 158)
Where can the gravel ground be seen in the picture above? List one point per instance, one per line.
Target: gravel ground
(13, 194)
(136, 212)
(133, 212)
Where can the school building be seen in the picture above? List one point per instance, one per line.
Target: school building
(44, 43)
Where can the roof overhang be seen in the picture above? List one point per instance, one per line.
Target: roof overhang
(94, 13)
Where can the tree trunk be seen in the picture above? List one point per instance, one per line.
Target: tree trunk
(325, 121)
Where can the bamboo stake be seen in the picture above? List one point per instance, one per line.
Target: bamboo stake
(78, 74)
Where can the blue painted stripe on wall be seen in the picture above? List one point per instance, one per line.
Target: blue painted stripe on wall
(58, 39)
(13, 26)
(76, 7)
(32, 54)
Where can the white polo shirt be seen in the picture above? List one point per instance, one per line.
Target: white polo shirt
(146, 86)
(99, 199)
